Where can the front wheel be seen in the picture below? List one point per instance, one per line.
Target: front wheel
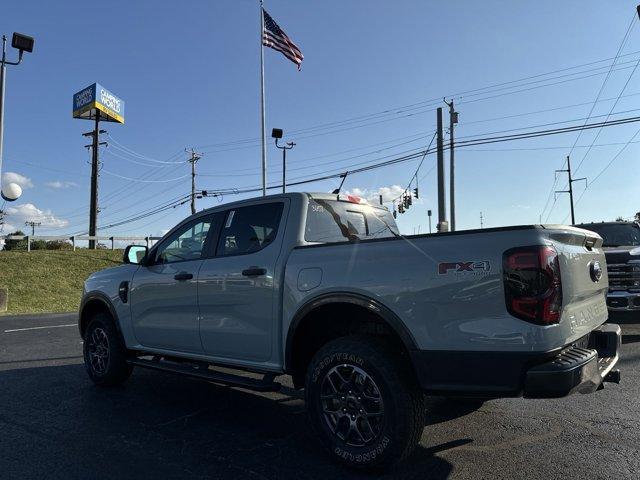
(105, 356)
(363, 402)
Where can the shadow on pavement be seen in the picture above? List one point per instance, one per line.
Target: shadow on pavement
(56, 424)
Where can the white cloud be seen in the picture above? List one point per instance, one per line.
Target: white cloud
(58, 184)
(373, 196)
(29, 212)
(12, 177)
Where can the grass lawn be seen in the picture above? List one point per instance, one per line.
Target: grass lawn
(50, 280)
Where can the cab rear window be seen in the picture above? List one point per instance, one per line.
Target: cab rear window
(330, 221)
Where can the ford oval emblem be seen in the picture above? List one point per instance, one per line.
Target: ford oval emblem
(595, 270)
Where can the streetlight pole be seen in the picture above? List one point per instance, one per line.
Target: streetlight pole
(3, 73)
(284, 148)
(23, 43)
(277, 134)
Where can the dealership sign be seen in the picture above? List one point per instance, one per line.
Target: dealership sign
(96, 100)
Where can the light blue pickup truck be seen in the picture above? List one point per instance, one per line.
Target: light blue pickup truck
(323, 288)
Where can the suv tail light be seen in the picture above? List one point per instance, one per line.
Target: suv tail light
(532, 285)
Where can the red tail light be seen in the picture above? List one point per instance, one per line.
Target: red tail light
(532, 285)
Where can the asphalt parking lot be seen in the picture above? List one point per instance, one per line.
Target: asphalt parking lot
(55, 424)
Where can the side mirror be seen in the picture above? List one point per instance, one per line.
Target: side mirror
(134, 254)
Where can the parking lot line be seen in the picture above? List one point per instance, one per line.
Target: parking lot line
(40, 328)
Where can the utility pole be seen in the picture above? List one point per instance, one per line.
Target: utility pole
(429, 214)
(95, 168)
(570, 191)
(33, 226)
(193, 160)
(453, 119)
(442, 208)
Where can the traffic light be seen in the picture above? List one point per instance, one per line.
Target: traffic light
(409, 199)
(405, 202)
(401, 208)
(395, 214)
(415, 192)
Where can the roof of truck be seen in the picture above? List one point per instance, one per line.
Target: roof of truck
(316, 195)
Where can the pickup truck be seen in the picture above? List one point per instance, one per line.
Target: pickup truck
(323, 288)
(621, 246)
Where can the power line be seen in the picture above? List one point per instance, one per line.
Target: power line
(606, 79)
(606, 167)
(133, 153)
(378, 122)
(615, 59)
(392, 161)
(323, 164)
(481, 141)
(429, 102)
(609, 114)
(415, 175)
(129, 179)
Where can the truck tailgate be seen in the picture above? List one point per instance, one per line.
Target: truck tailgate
(584, 279)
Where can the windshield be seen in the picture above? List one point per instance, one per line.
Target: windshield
(616, 234)
(331, 221)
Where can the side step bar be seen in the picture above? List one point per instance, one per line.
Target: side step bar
(202, 371)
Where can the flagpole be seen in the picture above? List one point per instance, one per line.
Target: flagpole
(264, 144)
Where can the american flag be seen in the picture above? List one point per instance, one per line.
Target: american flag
(274, 37)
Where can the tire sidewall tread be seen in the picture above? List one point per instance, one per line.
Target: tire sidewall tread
(403, 401)
(118, 370)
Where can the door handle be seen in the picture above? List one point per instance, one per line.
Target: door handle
(254, 272)
(183, 276)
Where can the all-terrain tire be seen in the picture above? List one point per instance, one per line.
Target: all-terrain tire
(105, 355)
(397, 419)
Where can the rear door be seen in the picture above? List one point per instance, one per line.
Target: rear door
(237, 296)
(164, 293)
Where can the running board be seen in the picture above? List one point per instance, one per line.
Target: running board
(266, 384)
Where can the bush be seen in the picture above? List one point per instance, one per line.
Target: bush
(16, 244)
(38, 245)
(59, 245)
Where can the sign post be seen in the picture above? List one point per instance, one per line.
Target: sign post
(98, 104)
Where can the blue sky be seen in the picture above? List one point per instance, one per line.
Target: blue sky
(189, 74)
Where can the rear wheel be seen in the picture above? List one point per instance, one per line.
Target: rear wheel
(363, 403)
(105, 356)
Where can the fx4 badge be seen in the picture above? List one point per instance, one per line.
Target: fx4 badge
(473, 267)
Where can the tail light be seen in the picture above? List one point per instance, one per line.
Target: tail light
(532, 285)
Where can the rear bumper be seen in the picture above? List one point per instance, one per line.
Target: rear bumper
(623, 301)
(581, 367)
(577, 369)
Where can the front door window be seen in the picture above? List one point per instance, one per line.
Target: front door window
(186, 243)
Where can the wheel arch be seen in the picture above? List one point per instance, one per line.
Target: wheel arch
(93, 303)
(370, 309)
